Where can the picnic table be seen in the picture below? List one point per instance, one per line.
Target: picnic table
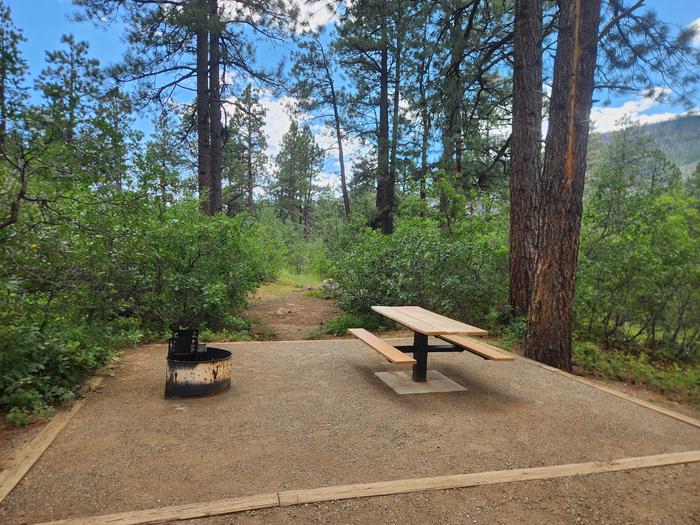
(424, 323)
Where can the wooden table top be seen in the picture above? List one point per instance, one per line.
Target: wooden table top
(426, 322)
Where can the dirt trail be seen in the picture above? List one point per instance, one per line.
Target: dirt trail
(284, 313)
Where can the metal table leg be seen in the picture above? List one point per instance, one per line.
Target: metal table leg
(420, 354)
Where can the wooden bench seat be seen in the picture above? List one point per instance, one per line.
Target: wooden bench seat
(392, 354)
(477, 347)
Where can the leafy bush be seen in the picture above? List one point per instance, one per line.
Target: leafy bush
(638, 279)
(72, 295)
(199, 269)
(462, 273)
(286, 250)
(339, 324)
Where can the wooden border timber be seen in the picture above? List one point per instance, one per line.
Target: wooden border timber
(381, 488)
(20, 465)
(179, 512)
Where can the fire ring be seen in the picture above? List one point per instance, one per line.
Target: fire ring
(195, 369)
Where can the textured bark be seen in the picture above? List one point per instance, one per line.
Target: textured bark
(203, 155)
(341, 157)
(423, 68)
(452, 140)
(250, 184)
(395, 116)
(525, 150)
(550, 316)
(385, 192)
(425, 136)
(214, 109)
(338, 130)
(3, 104)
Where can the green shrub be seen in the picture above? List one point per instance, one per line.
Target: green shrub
(462, 273)
(638, 277)
(71, 297)
(339, 324)
(18, 417)
(511, 331)
(200, 269)
(284, 247)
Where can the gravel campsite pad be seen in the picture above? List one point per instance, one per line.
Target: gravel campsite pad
(310, 414)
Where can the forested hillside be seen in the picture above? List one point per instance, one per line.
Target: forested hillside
(678, 138)
(413, 170)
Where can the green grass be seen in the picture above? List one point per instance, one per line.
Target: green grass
(208, 336)
(259, 330)
(317, 294)
(299, 280)
(287, 282)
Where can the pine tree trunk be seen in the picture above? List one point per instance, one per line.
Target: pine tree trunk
(452, 138)
(341, 158)
(72, 99)
(550, 317)
(424, 154)
(423, 70)
(214, 109)
(3, 105)
(395, 111)
(203, 153)
(384, 211)
(338, 135)
(251, 179)
(525, 150)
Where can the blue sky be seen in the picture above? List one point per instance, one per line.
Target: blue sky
(44, 21)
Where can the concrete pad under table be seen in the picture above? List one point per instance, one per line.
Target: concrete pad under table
(402, 383)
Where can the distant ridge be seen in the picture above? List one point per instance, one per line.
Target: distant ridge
(678, 138)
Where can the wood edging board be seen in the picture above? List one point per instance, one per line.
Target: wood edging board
(25, 459)
(381, 488)
(179, 512)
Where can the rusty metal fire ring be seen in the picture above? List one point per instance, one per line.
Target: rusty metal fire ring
(198, 374)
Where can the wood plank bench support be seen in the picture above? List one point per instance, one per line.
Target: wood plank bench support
(483, 350)
(382, 347)
(431, 348)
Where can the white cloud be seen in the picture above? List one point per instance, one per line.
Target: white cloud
(696, 26)
(315, 14)
(608, 118)
(277, 120)
(353, 151)
(280, 111)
